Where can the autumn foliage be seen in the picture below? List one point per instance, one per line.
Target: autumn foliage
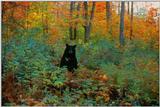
(34, 35)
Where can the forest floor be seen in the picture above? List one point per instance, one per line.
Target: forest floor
(107, 75)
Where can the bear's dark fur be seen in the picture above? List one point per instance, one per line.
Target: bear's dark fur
(69, 58)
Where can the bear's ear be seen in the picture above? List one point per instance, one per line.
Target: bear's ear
(67, 45)
(74, 46)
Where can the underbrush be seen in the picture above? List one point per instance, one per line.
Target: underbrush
(107, 74)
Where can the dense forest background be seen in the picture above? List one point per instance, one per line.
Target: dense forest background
(117, 51)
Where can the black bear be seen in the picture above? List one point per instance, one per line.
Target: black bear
(69, 58)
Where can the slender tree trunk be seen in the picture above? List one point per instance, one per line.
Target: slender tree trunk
(75, 29)
(128, 8)
(70, 28)
(86, 20)
(108, 12)
(119, 6)
(3, 14)
(159, 25)
(91, 18)
(121, 36)
(108, 16)
(131, 22)
(88, 23)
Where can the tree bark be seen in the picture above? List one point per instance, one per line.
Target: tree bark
(108, 16)
(92, 16)
(108, 12)
(121, 36)
(128, 8)
(119, 5)
(86, 20)
(70, 28)
(75, 29)
(88, 23)
(159, 25)
(131, 22)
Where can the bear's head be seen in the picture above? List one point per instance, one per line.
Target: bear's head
(70, 50)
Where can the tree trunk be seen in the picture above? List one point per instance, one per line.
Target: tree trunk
(108, 16)
(131, 22)
(159, 25)
(75, 29)
(86, 20)
(91, 18)
(3, 14)
(108, 12)
(122, 24)
(88, 23)
(128, 8)
(119, 5)
(70, 28)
